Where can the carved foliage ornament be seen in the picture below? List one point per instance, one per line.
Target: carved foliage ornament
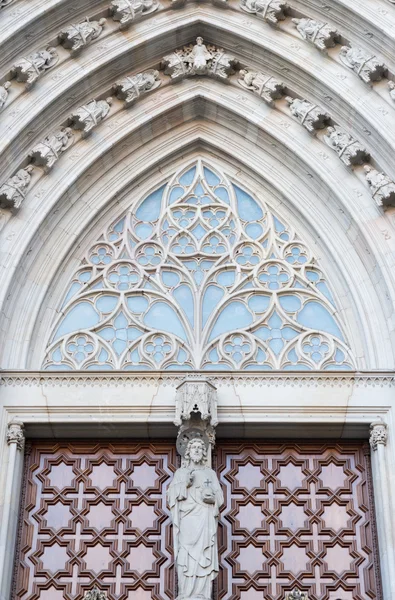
(309, 115)
(264, 86)
(13, 192)
(367, 67)
(28, 70)
(378, 434)
(271, 11)
(77, 36)
(381, 186)
(322, 35)
(199, 59)
(15, 433)
(127, 11)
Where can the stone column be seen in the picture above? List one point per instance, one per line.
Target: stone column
(385, 510)
(9, 520)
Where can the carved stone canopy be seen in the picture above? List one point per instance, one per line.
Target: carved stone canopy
(15, 433)
(196, 397)
(378, 434)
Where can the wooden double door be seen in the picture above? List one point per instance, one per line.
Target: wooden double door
(295, 515)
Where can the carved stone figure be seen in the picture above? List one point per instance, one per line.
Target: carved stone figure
(366, 66)
(4, 93)
(46, 153)
(322, 35)
(77, 36)
(350, 151)
(309, 115)
(198, 396)
(95, 594)
(264, 86)
(15, 433)
(127, 11)
(13, 192)
(89, 115)
(378, 434)
(271, 11)
(130, 89)
(28, 70)
(381, 186)
(194, 497)
(391, 86)
(199, 60)
(296, 595)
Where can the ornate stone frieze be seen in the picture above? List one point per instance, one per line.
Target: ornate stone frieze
(321, 34)
(296, 595)
(77, 36)
(391, 87)
(15, 433)
(271, 11)
(310, 115)
(266, 87)
(367, 67)
(95, 594)
(127, 11)
(199, 59)
(349, 150)
(381, 186)
(4, 93)
(196, 397)
(4, 3)
(378, 434)
(46, 153)
(131, 88)
(88, 116)
(28, 70)
(13, 191)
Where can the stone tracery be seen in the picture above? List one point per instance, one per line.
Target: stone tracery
(199, 276)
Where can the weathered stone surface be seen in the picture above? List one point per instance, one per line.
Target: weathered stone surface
(127, 11)
(365, 65)
(350, 151)
(79, 35)
(13, 192)
(199, 59)
(321, 34)
(266, 87)
(131, 88)
(310, 115)
(271, 11)
(47, 152)
(381, 186)
(28, 70)
(88, 116)
(4, 93)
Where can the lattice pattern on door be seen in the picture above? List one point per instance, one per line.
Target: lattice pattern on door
(96, 514)
(296, 516)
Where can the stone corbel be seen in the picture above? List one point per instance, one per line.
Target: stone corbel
(378, 434)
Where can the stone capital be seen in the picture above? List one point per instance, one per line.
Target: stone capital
(378, 434)
(15, 433)
(196, 397)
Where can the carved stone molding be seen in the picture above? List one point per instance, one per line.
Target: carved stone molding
(13, 191)
(46, 153)
(366, 66)
(28, 70)
(15, 433)
(378, 434)
(310, 115)
(264, 86)
(271, 11)
(88, 116)
(127, 11)
(193, 397)
(79, 35)
(199, 59)
(129, 89)
(381, 187)
(349, 150)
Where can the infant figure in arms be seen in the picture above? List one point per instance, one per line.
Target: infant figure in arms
(194, 497)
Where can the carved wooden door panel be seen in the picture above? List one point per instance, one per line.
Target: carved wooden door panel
(96, 514)
(296, 515)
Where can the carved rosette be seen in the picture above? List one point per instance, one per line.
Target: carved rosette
(378, 434)
(15, 434)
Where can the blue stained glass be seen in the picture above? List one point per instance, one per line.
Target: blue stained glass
(103, 356)
(119, 346)
(179, 367)
(120, 321)
(163, 317)
(222, 194)
(144, 230)
(175, 194)
(72, 291)
(108, 333)
(214, 355)
(339, 356)
(210, 177)
(312, 276)
(137, 304)
(261, 355)
(258, 368)
(226, 278)
(212, 296)
(248, 209)
(276, 345)
(234, 316)
(181, 356)
(184, 297)
(137, 367)
(290, 303)
(149, 209)
(259, 303)
(106, 304)
(297, 367)
(278, 226)
(170, 278)
(58, 368)
(85, 276)
(338, 368)
(263, 333)
(81, 316)
(187, 178)
(217, 367)
(288, 333)
(323, 288)
(57, 355)
(100, 367)
(254, 230)
(316, 316)
(198, 231)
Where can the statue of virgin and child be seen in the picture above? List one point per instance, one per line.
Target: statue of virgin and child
(194, 497)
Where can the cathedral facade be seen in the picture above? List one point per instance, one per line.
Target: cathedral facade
(197, 323)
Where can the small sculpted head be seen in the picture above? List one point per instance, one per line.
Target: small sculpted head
(199, 41)
(196, 451)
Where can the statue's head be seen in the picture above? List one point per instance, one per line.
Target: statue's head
(196, 451)
(199, 41)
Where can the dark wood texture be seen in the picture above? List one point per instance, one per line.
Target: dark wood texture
(296, 515)
(95, 514)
